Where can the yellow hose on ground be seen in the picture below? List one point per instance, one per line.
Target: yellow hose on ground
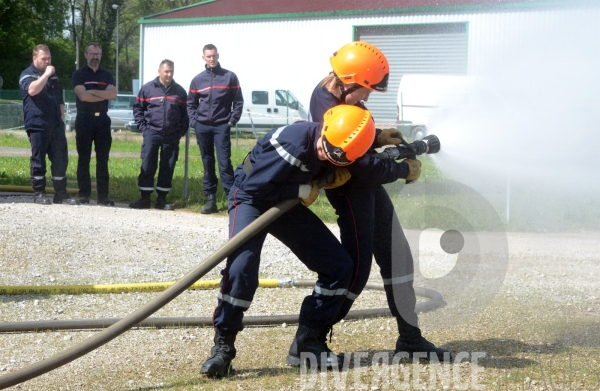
(119, 288)
(29, 189)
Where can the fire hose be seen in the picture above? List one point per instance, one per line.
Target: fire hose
(136, 317)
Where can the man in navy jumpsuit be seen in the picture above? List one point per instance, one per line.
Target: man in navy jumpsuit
(161, 115)
(94, 87)
(215, 105)
(285, 165)
(366, 217)
(43, 107)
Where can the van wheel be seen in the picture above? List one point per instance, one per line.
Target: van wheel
(418, 132)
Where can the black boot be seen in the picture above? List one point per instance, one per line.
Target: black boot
(219, 362)
(411, 341)
(142, 203)
(161, 203)
(313, 341)
(64, 198)
(211, 204)
(41, 198)
(104, 201)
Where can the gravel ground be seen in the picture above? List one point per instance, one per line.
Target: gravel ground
(77, 245)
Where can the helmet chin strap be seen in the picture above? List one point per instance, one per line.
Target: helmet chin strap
(345, 91)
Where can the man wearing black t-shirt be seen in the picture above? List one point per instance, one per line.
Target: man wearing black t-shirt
(94, 86)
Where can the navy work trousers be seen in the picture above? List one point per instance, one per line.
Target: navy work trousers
(369, 226)
(51, 142)
(168, 144)
(308, 238)
(210, 139)
(91, 129)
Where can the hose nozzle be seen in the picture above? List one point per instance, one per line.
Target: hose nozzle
(427, 145)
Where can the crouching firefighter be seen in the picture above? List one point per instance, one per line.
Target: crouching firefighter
(287, 163)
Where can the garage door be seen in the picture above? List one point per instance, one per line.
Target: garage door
(439, 48)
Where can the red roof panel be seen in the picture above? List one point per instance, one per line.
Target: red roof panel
(219, 8)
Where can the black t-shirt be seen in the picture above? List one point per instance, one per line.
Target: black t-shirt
(91, 80)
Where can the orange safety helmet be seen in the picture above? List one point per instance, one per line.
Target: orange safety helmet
(361, 63)
(348, 133)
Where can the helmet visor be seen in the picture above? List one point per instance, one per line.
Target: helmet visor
(382, 85)
(336, 155)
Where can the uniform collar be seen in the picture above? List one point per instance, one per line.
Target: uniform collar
(35, 70)
(87, 67)
(158, 84)
(215, 69)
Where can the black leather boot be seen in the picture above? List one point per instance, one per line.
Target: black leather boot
(211, 204)
(161, 203)
(411, 341)
(219, 362)
(64, 198)
(142, 203)
(41, 198)
(314, 342)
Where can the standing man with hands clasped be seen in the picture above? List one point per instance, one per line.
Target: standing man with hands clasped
(94, 87)
(214, 106)
(161, 115)
(44, 110)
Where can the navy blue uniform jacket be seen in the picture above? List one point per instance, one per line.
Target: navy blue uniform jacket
(161, 112)
(215, 97)
(42, 111)
(282, 160)
(367, 170)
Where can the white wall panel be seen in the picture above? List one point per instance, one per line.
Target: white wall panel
(294, 53)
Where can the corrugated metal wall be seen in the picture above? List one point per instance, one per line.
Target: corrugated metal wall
(294, 53)
(435, 48)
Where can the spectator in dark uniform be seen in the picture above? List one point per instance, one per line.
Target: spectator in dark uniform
(43, 107)
(161, 115)
(215, 105)
(94, 87)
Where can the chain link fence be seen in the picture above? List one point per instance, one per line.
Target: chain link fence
(11, 107)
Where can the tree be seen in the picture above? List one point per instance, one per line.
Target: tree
(67, 26)
(24, 24)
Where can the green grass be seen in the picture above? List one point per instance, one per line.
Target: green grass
(122, 142)
(431, 202)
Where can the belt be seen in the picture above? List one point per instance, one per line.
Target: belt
(95, 113)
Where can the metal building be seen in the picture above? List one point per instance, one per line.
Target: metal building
(275, 44)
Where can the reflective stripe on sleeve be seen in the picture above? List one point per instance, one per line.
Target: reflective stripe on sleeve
(28, 76)
(285, 154)
(234, 301)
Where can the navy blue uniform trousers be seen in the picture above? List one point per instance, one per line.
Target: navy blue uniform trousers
(91, 129)
(169, 153)
(51, 142)
(210, 139)
(369, 226)
(308, 238)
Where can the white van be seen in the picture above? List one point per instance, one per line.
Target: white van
(268, 108)
(424, 99)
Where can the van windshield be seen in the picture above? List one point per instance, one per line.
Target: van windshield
(285, 98)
